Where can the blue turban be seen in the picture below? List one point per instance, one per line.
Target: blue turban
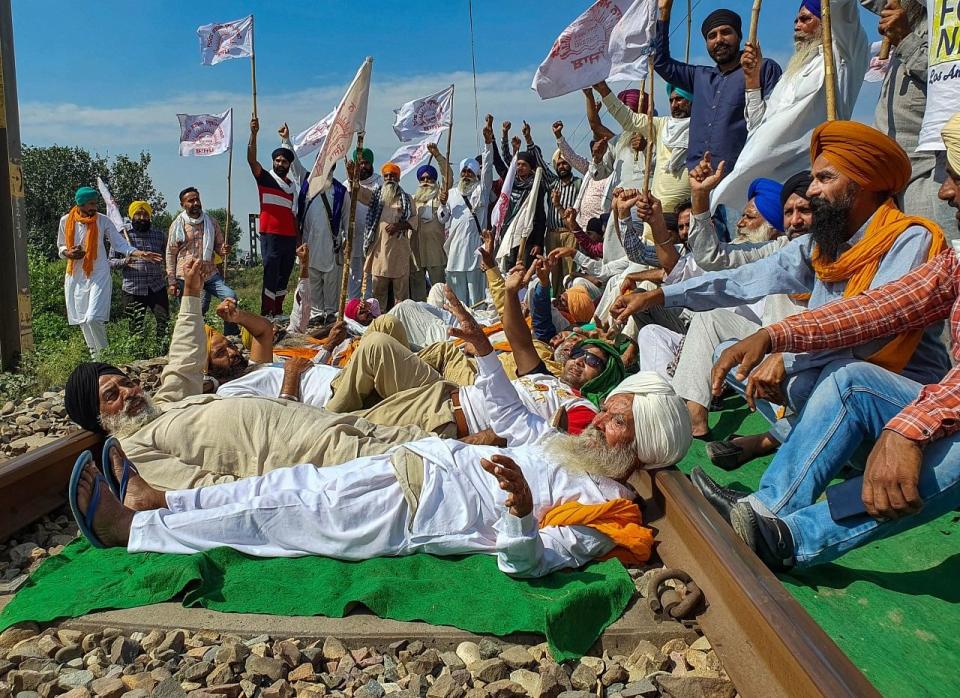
(85, 195)
(812, 5)
(470, 164)
(427, 169)
(766, 197)
(680, 91)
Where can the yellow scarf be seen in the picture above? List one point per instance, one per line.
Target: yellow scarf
(90, 244)
(858, 265)
(619, 519)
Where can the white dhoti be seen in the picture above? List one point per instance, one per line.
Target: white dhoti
(657, 348)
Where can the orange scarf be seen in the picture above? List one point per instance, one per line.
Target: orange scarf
(858, 265)
(619, 519)
(90, 244)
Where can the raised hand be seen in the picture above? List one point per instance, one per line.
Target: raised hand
(750, 62)
(649, 209)
(515, 279)
(515, 144)
(193, 277)
(303, 255)
(228, 310)
(254, 126)
(558, 130)
(525, 131)
(284, 131)
(519, 499)
(488, 129)
(468, 328)
(486, 249)
(704, 178)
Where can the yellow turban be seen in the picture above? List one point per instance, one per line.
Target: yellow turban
(579, 305)
(211, 333)
(951, 139)
(140, 206)
(870, 158)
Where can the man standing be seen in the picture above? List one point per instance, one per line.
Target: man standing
(780, 125)
(386, 245)
(278, 221)
(564, 192)
(369, 181)
(144, 282)
(88, 284)
(464, 211)
(195, 235)
(427, 237)
(717, 122)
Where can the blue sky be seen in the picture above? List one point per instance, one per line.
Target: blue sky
(116, 84)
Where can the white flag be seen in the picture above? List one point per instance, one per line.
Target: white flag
(205, 134)
(221, 42)
(424, 116)
(522, 224)
(349, 118)
(312, 139)
(409, 155)
(609, 41)
(502, 207)
(113, 213)
(943, 73)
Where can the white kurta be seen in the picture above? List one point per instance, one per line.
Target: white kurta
(266, 380)
(357, 510)
(778, 147)
(88, 298)
(463, 236)
(317, 233)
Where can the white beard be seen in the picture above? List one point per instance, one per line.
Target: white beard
(761, 233)
(466, 186)
(590, 454)
(425, 193)
(803, 52)
(123, 424)
(390, 194)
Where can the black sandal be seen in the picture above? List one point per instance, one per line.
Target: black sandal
(725, 454)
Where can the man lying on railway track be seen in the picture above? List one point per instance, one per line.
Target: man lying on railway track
(550, 502)
(912, 474)
(184, 438)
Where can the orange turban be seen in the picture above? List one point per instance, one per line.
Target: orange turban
(211, 333)
(579, 305)
(868, 157)
(390, 168)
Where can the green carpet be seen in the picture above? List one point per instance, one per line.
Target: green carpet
(571, 609)
(891, 606)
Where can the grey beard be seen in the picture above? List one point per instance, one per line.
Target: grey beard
(590, 454)
(425, 193)
(390, 193)
(466, 186)
(123, 424)
(803, 52)
(761, 233)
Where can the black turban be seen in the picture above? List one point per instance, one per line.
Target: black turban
(718, 18)
(82, 394)
(798, 184)
(285, 152)
(527, 157)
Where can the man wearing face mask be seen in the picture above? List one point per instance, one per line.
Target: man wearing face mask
(144, 281)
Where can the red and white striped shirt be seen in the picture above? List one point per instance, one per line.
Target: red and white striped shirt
(276, 207)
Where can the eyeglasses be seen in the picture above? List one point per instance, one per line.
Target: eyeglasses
(589, 358)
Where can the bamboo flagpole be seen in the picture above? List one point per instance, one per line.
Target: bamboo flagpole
(447, 175)
(885, 46)
(253, 66)
(226, 227)
(351, 225)
(689, 28)
(829, 69)
(754, 22)
(651, 131)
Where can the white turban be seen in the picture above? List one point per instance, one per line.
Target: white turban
(471, 164)
(660, 419)
(437, 296)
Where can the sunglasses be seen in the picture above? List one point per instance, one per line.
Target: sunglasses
(589, 358)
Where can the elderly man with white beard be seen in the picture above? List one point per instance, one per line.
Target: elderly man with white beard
(464, 214)
(538, 506)
(386, 243)
(427, 236)
(779, 127)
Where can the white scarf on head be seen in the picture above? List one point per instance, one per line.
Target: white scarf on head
(209, 231)
(676, 136)
(292, 188)
(661, 421)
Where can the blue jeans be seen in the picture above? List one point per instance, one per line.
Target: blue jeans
(216, 286)
(852, 402)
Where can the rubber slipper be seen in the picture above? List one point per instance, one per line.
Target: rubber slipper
(725, 454)
(118, 488)
(85, 521)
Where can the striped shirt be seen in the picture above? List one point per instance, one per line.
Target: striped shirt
(276, 207)
(140, 277)
(568, 197)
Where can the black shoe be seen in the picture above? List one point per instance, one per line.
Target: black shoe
(768, 536)
(723, 499)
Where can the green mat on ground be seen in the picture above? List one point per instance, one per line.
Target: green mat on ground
(571, 609)
(891, 606)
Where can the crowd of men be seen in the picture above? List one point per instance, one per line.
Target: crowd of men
(493, 394)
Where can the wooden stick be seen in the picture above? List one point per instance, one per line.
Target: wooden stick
(754, 21)
(253, 68)
(651, 131)
(449, 169)
(829, 70)
(885, 46)
(689, 28)
(226, 227)
(351, 224)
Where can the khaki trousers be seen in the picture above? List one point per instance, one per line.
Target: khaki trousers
(382, 286)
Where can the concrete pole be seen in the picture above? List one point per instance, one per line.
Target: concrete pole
(16, 335)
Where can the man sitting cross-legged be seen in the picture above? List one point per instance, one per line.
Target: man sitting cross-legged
(553, 501)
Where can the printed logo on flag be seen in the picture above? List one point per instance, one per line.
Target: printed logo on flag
(226, 40)
(205, 134)
(589, 41)
(428, 115)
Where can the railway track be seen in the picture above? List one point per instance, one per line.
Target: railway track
(768, 643)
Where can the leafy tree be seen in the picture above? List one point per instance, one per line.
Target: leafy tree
(52, 174)
(220, 215)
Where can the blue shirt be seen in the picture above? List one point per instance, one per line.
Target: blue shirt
(791, 271)
(717, 121)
